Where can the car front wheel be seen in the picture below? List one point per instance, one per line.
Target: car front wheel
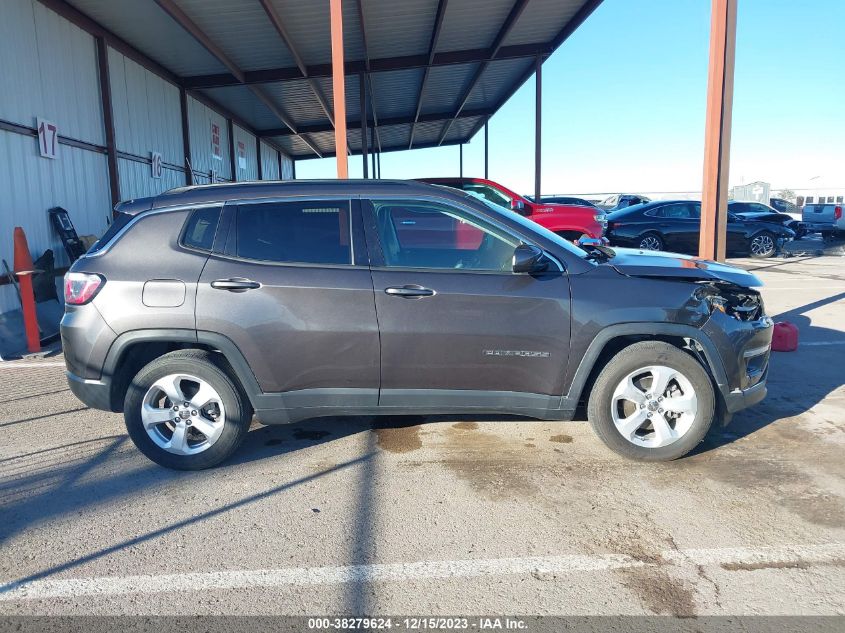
(184, 412)
(652, 402)
(762, 245)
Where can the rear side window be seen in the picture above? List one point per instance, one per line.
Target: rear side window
(120, 220)
(295, 232)
(201, 228)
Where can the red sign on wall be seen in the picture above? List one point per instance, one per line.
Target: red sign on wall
(241, 155)
(215, 141)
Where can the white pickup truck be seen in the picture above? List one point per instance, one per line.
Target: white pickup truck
(824, 218)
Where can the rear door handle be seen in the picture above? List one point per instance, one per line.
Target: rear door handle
(409, 291)
(236, 284)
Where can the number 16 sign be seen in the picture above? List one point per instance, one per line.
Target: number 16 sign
(48, 138)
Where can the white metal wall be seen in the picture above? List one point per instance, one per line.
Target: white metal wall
(200, 118)
(49, 71)
(287, 168)
(30, 185)
(147, 118)
(269, 162)
(248, 170)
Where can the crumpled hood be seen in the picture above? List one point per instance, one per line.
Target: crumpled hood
(639, 263)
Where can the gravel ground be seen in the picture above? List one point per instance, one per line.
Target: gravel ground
(440, 516)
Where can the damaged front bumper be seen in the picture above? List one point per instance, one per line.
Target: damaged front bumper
(744, 347)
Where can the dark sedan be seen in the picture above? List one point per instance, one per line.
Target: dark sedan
(673, 225)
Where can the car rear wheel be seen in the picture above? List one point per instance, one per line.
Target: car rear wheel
(762, 245)
(651, 242)
(652, 402)
(184, 412)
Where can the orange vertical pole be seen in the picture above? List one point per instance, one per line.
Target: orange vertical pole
(24, 270)
(717, 132)
(339, 88)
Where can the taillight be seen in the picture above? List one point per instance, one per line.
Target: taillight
(80, 288)
(837, 213)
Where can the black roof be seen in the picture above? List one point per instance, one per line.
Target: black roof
(202, 194)
(433, 71)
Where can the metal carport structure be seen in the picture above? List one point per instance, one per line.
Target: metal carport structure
(410, 74)
(416, 73)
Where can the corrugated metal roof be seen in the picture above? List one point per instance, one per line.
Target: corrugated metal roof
(481, 55)
(241, 100)
(468, 25)
(149, 29)
(496, 81)
(242, 30)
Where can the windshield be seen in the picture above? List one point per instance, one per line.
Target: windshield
(531, 225)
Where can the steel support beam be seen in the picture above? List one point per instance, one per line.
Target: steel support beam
(383, 64)
(365, 141)
(577, 20)
(182, 19)
(339, 88)
(278, 24)
(425, 118)
(486, 152)
(108, 119)
(186, 136)
(461, 160)
(717, 132)
(232, 163)
(538, 127)
(367, 70)
(432, 46)
(259, 161)
(510, 21)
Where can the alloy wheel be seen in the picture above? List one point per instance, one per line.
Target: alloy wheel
(762, 245)
(650, 243)
(654, 406)
(183, 414)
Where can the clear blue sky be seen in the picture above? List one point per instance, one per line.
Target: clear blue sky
(624, 104)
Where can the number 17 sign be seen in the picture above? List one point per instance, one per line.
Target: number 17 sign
(48, 138)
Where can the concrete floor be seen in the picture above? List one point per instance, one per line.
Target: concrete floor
(446, 517)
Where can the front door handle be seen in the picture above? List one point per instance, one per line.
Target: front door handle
(236, 284)
(409, 291)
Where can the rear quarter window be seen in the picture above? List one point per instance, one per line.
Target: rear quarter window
(119, 221)
(201, 228)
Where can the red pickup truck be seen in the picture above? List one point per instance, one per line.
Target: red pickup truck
(570, 221)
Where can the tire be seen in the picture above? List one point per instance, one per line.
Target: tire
(644, 443)
(651, 241)
(208, 433)
(762, 246)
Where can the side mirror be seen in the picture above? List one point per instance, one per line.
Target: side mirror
(529, 259)
(517, 205)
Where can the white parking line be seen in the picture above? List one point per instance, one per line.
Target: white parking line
(11, 364)
(819, 343)
(204, 581)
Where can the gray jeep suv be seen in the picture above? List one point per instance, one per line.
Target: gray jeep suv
(292, 300)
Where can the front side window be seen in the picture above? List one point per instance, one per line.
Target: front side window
(295, 232)
(421, 234)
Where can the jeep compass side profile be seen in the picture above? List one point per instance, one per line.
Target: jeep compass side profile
(206, 305)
